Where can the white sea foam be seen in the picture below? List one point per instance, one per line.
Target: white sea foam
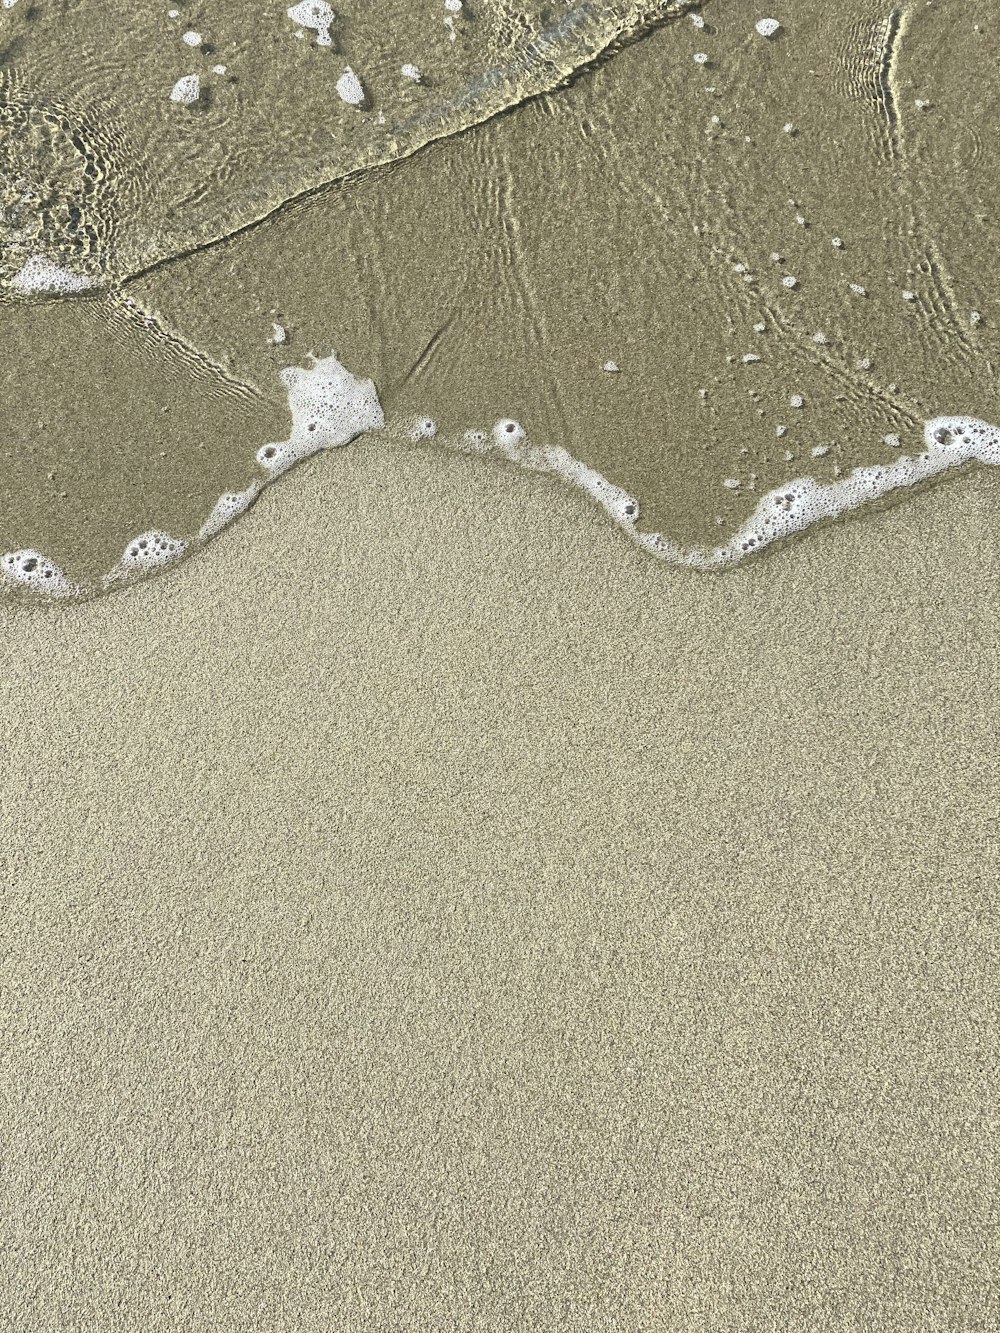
(316, 15)
(31, 569)
(149, 550)
(330, 407)
(39, 274)
(186, 90)
(350, 89)
(950, 441)
(228, 507)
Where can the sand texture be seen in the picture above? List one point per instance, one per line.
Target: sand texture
(421, 924)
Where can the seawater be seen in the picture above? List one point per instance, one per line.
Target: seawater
(729, 277)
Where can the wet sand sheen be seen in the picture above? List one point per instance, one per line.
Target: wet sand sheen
(425, 912)
(494, 274)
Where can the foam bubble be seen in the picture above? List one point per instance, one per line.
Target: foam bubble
(191, 39)
(279, 336)
(227, 507)
(186, 90)
(314, 14)
(623, 507)
(411, 72)
(767, 27)
(349, 88)
(39, 274)
(31, 569)
(508, 434)
(423, 429)
(612, 367)
(150, 550)
(950, 441)
(789, 281)
(701, 58)
(329, 408)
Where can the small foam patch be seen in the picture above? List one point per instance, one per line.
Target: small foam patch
(39, 274)
(349, 88)
(150, 550)
(31, 569)
(317, 16)
(187, 90)
(330, 407)
(424, 428)
(228, 507)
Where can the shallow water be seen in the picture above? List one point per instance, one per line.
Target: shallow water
(701, 279)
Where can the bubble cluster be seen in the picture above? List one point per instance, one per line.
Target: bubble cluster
(228, 507)
(31, 569)
(425, 428)
(508, 434)
(315, 15)
(767, 27)
(150, 550)
(949, 441)
(186, 90)
(330, 407)
(349, 88)
(40, 274)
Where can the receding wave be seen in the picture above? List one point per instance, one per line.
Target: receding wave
(693, 281)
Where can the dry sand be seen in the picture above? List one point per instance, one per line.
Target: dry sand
(429, 924)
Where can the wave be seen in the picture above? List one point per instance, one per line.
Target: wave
(330, 407)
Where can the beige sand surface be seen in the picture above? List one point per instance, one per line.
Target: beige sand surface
(424, 927)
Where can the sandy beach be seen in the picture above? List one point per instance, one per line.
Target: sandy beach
(423, 924)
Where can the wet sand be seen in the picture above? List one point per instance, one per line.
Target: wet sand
(424, 912)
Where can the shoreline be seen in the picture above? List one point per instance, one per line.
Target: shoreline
(427, 912)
